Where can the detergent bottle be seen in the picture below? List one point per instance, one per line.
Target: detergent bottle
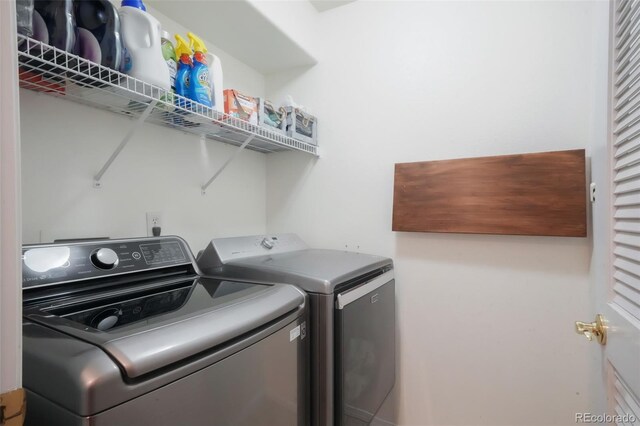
(143, 50)
(185, 66)
(215, 78)
(101, 19)
(169, 55)
(60, 19)
(24, 17)
(200, 86)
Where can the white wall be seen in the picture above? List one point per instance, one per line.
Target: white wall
(160, 170)
(294, 18)
(485, 322)
(64, 144)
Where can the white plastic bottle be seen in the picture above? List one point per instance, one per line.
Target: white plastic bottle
(215, 77)
(143, 47)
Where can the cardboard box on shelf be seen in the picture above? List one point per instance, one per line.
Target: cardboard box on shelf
(241, 106)
(13, 405)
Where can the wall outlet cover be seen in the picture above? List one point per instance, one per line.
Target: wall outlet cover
(153, 219)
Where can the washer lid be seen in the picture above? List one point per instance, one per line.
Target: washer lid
(211, 314)
(313, 270)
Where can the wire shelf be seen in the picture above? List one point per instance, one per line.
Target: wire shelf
(46, 69)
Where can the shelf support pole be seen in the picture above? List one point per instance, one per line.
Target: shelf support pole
(145, 114)
(226, 163)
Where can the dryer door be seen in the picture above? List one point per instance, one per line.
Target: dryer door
(365, 352)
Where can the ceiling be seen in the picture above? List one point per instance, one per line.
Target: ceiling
(322, 5)
(241, 30)
(244, 31)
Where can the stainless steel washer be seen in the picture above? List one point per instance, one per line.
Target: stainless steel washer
(126, 332)
(352, 304)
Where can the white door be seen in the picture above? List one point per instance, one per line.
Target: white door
(616, 218)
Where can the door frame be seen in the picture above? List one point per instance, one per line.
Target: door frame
(10, 207)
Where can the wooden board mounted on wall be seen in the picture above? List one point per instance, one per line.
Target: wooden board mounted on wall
(525, 194)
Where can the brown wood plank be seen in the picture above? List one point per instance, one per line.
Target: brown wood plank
(524, 194)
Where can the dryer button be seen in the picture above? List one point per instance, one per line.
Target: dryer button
(266, 243)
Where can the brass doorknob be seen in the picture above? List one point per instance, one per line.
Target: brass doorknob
(596, 329)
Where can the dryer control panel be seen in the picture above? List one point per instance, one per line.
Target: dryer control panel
(44, 265)
(255, 245)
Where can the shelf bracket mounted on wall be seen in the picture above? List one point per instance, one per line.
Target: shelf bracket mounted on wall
(226, 163)
(125, 141)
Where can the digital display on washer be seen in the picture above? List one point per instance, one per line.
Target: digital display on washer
(159, 253)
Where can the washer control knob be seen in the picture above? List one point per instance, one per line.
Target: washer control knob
(104, 258)
(107, 323)
(266, 243)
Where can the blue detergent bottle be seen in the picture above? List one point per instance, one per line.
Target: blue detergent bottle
(200, 86)
(185, 67)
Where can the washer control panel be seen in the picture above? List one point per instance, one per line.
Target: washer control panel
(58, 263)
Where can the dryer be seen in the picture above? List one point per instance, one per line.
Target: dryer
(352, 316)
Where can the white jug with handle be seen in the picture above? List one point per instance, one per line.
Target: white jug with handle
(143, 50)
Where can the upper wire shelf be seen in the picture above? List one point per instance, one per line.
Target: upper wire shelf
(46, 69)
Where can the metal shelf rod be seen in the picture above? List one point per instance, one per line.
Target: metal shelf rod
(226, 163)
(125, 141)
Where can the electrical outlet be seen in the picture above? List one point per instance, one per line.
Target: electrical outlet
(153, 219)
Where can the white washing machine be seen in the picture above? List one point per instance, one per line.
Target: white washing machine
(127, 332)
